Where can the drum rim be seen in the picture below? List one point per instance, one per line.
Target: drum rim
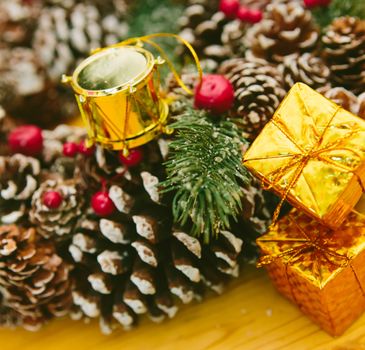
(125, 87)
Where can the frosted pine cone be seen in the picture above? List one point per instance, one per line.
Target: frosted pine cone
(26, 91)
(134, 262)
(233, 38)
(258, 91)
(6, 125)
(18, 21)
(285, 30)
(58, 221)
(344, 52)
(66, 34)
(202, 25)
(347, 100)
(19, 176)
(305, 68)
(34, 279)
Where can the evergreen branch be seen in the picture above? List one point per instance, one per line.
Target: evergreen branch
(205, 172)
(338, 8)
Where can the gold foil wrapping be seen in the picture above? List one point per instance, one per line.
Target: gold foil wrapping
(312, 154)
(321, 270)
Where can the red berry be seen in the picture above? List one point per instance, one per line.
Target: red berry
(215, 94)
(134, 157)
(86, 151)
(52, 199)
(229, 7)
(249, 15)
(244, 14)
(102, 204)
(255, 16)
(314, 3)
(70, 149)
(26, 139)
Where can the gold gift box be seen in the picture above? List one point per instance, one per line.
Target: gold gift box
(319, 269)
(312, 154)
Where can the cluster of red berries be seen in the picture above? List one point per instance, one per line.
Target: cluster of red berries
(233, 9)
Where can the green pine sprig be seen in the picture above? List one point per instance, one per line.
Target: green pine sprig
(338, 8)
(205, 172)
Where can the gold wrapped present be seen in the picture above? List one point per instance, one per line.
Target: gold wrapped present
(312, 153)
(319, 269)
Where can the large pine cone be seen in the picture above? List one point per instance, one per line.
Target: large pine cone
(258, 91)
(66, 34)
(60, 221)
(19, 176)
(27, 92)
(6, 125)
(18, 21)
(34, 280)
(202, 26)
(286, 29)
(344, 51)
(306, 68)
(347, 100)
(135, 262)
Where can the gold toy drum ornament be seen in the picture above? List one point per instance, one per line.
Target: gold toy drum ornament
(119, 93)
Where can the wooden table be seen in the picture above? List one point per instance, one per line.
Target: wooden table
(250, 315)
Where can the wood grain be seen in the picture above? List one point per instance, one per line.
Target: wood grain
(250, 315)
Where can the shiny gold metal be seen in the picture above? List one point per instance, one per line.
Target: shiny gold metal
(128, 110)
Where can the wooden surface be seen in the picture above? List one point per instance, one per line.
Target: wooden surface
(250, 315)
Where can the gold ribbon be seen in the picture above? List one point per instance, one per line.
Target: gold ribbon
(301, 159)
(148, 39)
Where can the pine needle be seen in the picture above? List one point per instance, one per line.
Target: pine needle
(338, 8)
(205, 172)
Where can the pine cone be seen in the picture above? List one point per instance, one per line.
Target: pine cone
(18, 21)
(258, 92)
(135, 262)
(344, 52)
(52, 155)
(19, 176)
(33, 278)
(255, 210)
(361, 112)
(26, 91)
(306, 68)
(6, 125)
(233, 35)
(347, 100)
(202, 25)
(286, 29)
(60, 221)
(66, 34)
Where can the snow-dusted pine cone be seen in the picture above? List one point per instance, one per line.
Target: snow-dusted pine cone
(306, 68)
(19, 176)
(26, 91)
(34, 280)
(255, 210)
(347, 100)
(18, 21)
(66, 34)
(6, 125)
(137, 265)
(344, 52)
(134, 262)
(233, 38)
(57, 164)
(287, 28)
(202, 25)
(258, 91)
(59, 221)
